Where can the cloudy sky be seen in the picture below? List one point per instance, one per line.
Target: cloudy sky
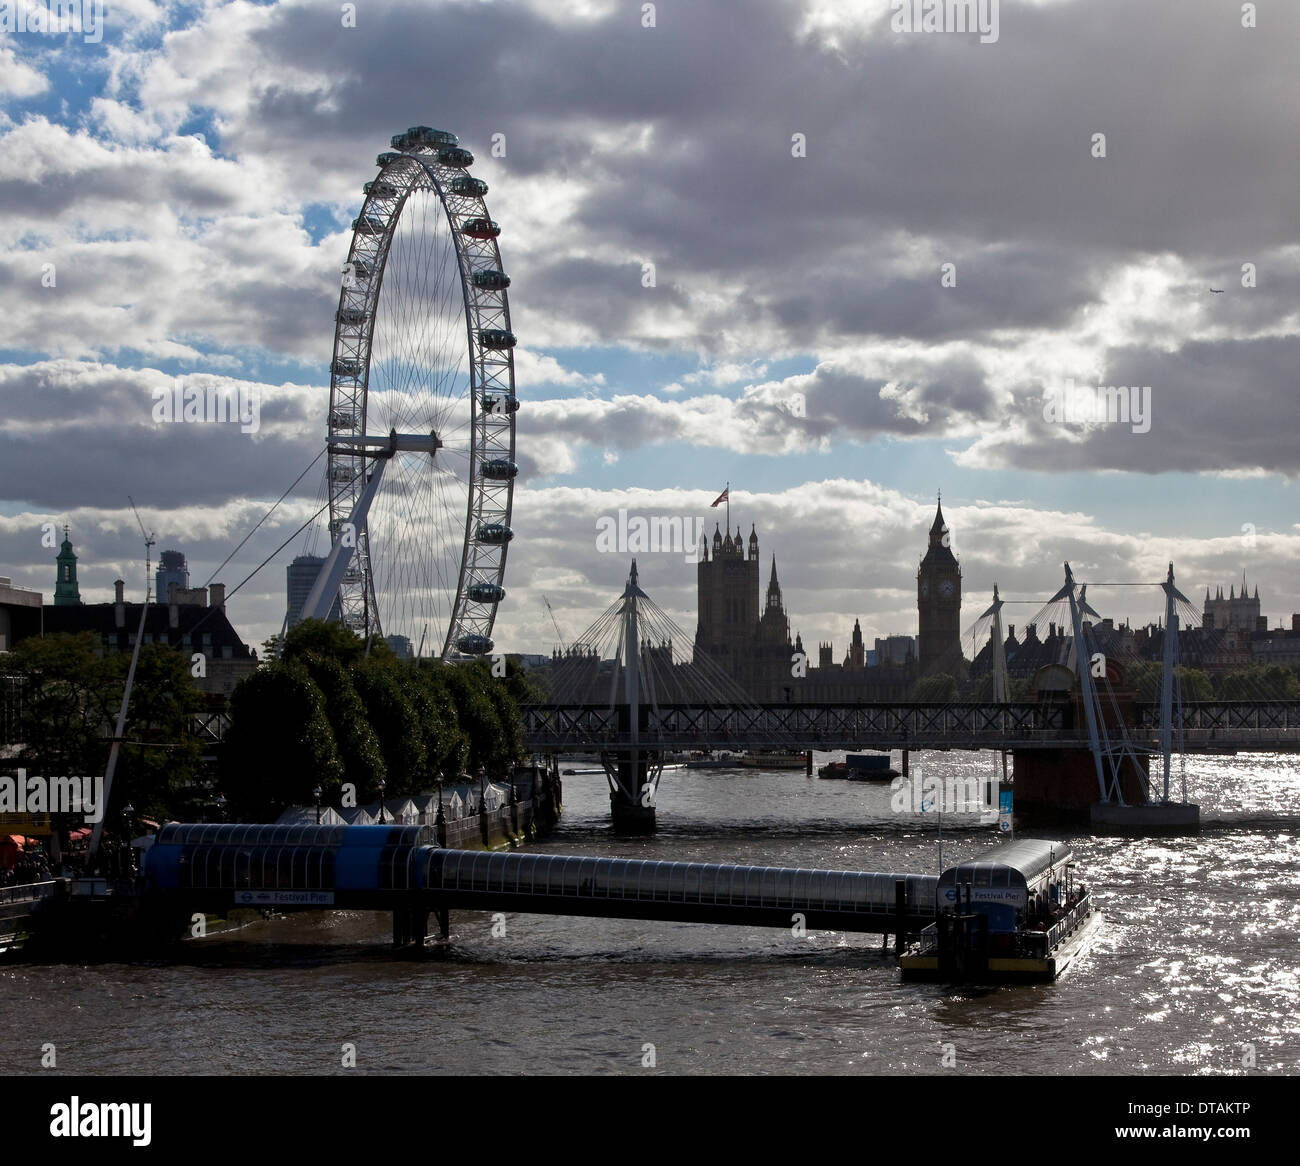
(799, 174)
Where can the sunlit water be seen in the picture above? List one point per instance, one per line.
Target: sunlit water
(1196, 959)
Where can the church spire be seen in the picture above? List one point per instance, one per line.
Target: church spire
(67, 593)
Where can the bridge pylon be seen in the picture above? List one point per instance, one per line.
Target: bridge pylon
(633, 772)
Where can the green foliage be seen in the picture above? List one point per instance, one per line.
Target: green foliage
(489, 748)
(508, 746)
(327, 711)
(1259, 682)
(1143, 677)
(322, 638)
(1019, 689)
(523, 685)
(71, 699)
(359, 748)
(71, 696)
(445, 741)
(941, 688)
(1194, 683)
(280, 743)
(160, 756)
(386, 693)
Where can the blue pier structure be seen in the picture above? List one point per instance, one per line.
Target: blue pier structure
(399, 869)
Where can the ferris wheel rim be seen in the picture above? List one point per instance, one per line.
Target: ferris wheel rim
(489, 366)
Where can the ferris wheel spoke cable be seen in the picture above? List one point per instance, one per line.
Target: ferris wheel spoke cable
(267, 515)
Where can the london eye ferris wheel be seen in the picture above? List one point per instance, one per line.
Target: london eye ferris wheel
(421, 441)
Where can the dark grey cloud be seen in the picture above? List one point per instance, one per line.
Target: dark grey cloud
(1228, 405)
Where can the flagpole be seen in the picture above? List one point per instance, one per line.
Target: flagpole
(727, 491)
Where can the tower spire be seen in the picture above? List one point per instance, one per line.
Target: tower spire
(67, 592)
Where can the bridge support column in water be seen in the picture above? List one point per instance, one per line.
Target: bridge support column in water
(410, 927)
(633, 782)
(1060, 785)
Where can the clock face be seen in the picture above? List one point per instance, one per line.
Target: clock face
(946, 588)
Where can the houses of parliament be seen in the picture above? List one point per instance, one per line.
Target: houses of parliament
(745, 631)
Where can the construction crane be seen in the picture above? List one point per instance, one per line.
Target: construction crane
(554, 621)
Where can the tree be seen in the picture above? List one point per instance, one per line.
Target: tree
(1259, 682)
(389, 709)
(161, 755)
(941, 688)
(324, 638)
(280, 743)
(70, 699)
(446, 744)
(1194, 683)
(1143, 678)
(359, 747)
(489, 748)
(501, 691)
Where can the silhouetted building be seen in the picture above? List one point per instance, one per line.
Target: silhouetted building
(300, 576)
(20, 613)
(193, 623)
(1237, 611)
(752, 645)
(172, 568)
(728, 589)
(938, 602)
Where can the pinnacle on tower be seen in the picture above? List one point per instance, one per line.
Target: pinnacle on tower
(937, 526)
(773, 587)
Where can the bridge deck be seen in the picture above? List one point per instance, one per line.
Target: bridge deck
(1210, 726)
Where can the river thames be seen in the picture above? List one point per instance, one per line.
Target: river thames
(1195, 968)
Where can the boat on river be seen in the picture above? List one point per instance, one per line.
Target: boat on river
(1015, 914)
(721, 760)
(774, 761)
(860, 767)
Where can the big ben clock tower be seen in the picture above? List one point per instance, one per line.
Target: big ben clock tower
(938, 603)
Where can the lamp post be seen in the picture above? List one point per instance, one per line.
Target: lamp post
(316, 793)
(382, 785)
(128, 812)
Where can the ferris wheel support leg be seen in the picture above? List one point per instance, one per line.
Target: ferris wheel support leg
(326, 587)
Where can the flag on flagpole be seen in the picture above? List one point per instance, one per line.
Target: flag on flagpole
(721, 498)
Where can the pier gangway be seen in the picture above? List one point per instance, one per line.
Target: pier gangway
(398, 869)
